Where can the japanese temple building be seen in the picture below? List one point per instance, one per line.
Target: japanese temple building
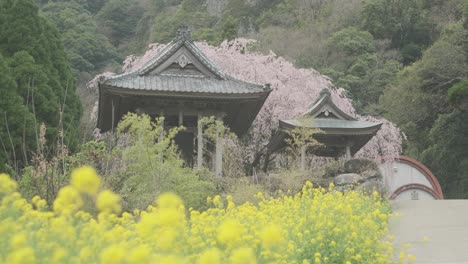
(183, 85)
(342, 134)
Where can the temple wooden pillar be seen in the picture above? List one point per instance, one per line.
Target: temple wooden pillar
(348, 151)
(219, 151)
(303, 158)
(181, 117)
(199, 142)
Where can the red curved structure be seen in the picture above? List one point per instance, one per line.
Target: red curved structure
(416, 186)
(436, 190)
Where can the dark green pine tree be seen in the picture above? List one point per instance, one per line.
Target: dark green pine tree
(16, 122)
(465, 26)
(40, 69)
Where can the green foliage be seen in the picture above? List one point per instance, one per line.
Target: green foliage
(356, 66)
(118, 19)
(403, 22)
(447, 154)
(458, 92)
(16, 122)
(229, 28)
(149, 165)
(92, 6)
(88, 49)
(168, 22)
(419, 104)
(421, 89)
(244, 190)
(41, 71)
(282, 15)
(287, 181)
(302, 137)
(353, 41)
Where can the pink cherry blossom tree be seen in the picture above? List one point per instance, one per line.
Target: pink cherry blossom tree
(294, 90)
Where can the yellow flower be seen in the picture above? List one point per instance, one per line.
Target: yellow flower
(108, 202)
(85, 180)
(169, 260)
(68, 200)
(19, 241)
(229, 232)
(411, 258)
(139, 255)
(166, 238)
(85, 254)
(309, 227)
(169, 200)
(271, 235)
(170, 217)
(210, 256)
(243, 256)
(113, 255)
(7, 185)
(59, 255)
(21, 256)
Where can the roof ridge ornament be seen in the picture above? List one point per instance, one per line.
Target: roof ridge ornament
(183, 61)
(325, 92)
(184, 33)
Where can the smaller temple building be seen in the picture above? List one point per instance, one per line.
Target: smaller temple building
(342, 134)
(182, 85)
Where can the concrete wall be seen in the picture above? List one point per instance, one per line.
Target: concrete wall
(415, 194)
(397, 174)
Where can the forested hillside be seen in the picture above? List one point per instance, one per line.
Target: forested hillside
(405, 60)
(37, 87)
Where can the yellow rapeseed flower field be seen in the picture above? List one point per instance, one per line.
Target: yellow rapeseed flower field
(314, 226)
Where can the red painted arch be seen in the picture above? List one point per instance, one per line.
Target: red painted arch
(418, 186)
(436, 190)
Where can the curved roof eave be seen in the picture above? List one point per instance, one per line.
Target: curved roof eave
(370, 128)
(201, 95)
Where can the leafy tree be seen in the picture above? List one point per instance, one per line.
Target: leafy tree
(301, 140)
(118, 19)
(465, 26)
(404, 22)
(419, 104)
(87, 49)
(40, 68)
(447, 154)
(458, 94)
(167, 23)
(355, 65)
(352, 41)
(92, 6)
(420, 93)
(150, 165)
(16, 123)
(229, 28)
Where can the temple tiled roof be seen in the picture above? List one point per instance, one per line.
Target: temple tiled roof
(204, 77)
(175, 83)
(323, 123)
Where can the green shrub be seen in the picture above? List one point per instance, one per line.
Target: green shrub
(146, 165)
